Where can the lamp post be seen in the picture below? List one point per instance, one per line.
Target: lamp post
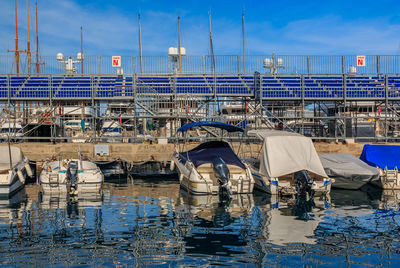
(175, 56)
(273, 64)
(69, 63)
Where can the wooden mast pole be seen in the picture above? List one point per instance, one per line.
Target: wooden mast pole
(140, 45)
(37, 40)
(211, 44)
(179, 45)
(244, 59)
(28, 47)
(17, 51)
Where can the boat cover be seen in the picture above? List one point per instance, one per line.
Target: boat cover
(347, 166)
(206, 152)
(225, 126)
(382, 156)
(16, 157)
(284, 153)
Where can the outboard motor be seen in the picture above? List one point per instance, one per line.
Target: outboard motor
(303, 183)
(221, 172)
(72, 178)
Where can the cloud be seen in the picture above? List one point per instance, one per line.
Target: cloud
(113, 31)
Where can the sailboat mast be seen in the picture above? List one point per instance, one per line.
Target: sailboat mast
(244, 59)
(81, 52)
(179, 44)
(211, 44)
(140, 45)
(28, 48)
(16, 40)
(37, 40)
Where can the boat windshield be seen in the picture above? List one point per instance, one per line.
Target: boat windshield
(206, 152)
(111, 129)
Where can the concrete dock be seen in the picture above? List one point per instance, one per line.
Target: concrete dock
(135, 152)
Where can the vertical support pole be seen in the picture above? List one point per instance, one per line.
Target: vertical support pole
(386, 107)
(344, 103)
(28, 47)
(378, 65)
(308, 65)
(211, 44)
(140, 45)
(244, 48)
(133, 64)
(99, 64)
(134, 77)
(179, 44)
(93, 109)
(343, 65)
(204, 64)
(302, 104)
(81, 52)
(37, 41)
(238, 64)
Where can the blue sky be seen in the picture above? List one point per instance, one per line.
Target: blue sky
(285, 27)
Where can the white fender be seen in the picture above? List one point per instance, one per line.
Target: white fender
(21, 176)
(28, 170)
(172, 165)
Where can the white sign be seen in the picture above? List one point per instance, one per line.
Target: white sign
(116, 61)
(101, 150)
(361, 60)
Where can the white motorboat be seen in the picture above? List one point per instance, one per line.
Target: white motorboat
(288, 164)
(212, 166)
(70, 175)
(12, 130)
(14, 170)
(111, 131)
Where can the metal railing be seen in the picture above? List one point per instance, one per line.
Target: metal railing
(227, 64)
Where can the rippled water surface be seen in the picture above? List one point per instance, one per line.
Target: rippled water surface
(153, 223)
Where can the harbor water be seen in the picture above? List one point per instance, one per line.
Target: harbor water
(151, 222)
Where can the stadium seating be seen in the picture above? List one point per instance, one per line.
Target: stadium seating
(272, 87)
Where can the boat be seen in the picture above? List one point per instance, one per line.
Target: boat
(212, 166)
(348, 171)
(14, 170)
(288, 164)
(386, 159)
(11, 130)
(111, 131)
(70, 174)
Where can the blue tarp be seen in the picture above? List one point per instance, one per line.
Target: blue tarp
(382, 156)
(206, 152)
(227, 127)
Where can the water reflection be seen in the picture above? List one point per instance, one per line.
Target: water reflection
(152, 222)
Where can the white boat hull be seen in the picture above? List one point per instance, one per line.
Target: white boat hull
(388, 180)
(201, 180)
(276, 186)
(54, 180)
(10, 183)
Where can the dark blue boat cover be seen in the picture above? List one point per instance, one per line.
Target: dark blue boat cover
(206, 152)
(227, 127)
(382, 156)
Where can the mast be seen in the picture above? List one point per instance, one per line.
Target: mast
(28, 48)
(17, 51)
(140, 45)
(81, 52)
(244, 61)
(211, 44)
(37, 40)
(179, 44)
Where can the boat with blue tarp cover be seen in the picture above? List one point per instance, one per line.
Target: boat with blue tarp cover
(386, 159)
(212, 167)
